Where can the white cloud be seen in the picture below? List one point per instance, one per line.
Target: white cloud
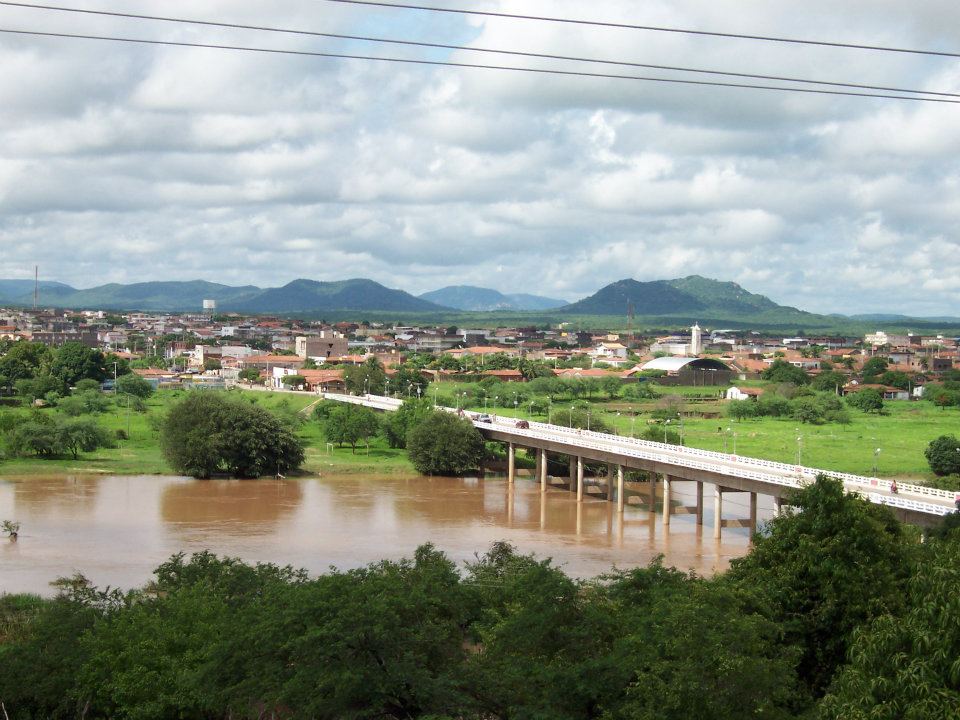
(130, 163)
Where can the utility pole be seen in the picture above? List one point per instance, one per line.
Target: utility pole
(36, 285)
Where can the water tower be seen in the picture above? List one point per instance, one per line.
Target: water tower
(209, 306)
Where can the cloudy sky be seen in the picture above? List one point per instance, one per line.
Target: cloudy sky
(126, 163)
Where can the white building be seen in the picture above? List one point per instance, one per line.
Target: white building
(696, 343)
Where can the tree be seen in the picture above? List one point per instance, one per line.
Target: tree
(781, 371)
(867, 400)
(50, 438)
(740, 409)
(873, 368)
(444, 444)
(407, 381)
(370, 377)
(350, 424)
(828, 382)
(250, 375)
(74, 361)
(212, 364)
(835, 564)
(206, 432)
(39, 387)
(904, 665)
(78, 435)
(895, 378)
(133, 384)
(309, 364)
(83, 403)
(24, 360)
(294, 380)
(398, 424)
(943, 455)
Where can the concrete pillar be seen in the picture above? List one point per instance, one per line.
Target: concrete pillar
(653, 492)
(539, 457)
(543, 471)
(699, 502)
(667, 509)
(620, 488)
(777, 506)
(753, 513)
(511, 462)
(572, 485)
(717, 511)
(611, 476)
(579, 479)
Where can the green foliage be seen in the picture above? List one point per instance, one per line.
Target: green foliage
(250, 375)
(444, 444)
(133, 384)
(86, 385)
(294, 380)
(207, 432)
(350, 424)
(50, 438)
(24, 360)
(640, 391)
(661, 434)
(866, 400)
(39, 387)
(783, 372)
(905, 664)
(828, 382)
(83, 403)
(74, 361)
(398, 424)
(742, 409)
(407, 381)
(943, 455)
(370, 377)
(818, 409)
(838, 563)
(873, 368)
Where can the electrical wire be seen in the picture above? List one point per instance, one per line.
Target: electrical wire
(413, 43)
(653, 28)
(481, 66)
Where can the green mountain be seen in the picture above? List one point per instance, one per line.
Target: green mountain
(689, 297)
(21, 291)
(150, 296)
(309, 296)
(468, 297)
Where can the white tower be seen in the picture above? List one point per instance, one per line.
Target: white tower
(696, 345)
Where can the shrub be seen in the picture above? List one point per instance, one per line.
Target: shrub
(943, 455)
(444, 444)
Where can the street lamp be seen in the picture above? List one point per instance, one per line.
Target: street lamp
(665, 427)
(730, 431)
(588, 419)
(799, 450)
(681, 427)
(633, 419)
(876, 457)
(530, 410)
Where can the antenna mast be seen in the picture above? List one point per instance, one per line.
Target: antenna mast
(36, 284)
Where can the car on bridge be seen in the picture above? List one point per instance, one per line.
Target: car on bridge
(484, 418)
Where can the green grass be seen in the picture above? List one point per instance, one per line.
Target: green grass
(140, 454)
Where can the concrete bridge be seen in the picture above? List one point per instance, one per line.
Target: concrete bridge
(667, 465)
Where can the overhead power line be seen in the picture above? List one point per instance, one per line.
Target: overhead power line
(480, 66)
(516, 53)
(652, 28)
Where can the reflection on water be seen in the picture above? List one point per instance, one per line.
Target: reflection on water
(117, 529)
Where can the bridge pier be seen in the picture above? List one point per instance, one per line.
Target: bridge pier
(717, 511)
(543, 471)
(579, 478)
(667, 507)
(511, 462)
(538, 454)
(719, 523)
(572, 484)
(619, 488)
(699, 502)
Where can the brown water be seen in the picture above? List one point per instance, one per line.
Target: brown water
(115, 530)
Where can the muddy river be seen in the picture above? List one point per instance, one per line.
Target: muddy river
(115, 530)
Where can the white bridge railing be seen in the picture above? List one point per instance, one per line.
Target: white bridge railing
(768, 471)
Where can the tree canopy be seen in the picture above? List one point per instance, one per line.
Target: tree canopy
(207, 433)
(444, 444)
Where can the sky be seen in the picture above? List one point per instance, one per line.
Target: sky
(122, 162)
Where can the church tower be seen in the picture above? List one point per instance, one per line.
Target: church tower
(696, 344)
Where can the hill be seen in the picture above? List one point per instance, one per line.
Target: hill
(311, 296)
(171, 296)
(690, 297)
(21, 291)
(469, 297)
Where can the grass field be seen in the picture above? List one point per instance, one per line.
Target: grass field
(140, 454)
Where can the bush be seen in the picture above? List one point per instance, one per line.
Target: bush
(398, 424)
(444, 444)
(350, 424)
(206, 432)
(943, 455)
(867, 400)
(53, 438)
(133, 384)
(783, 372)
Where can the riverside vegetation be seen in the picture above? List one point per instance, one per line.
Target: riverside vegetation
(836, 612)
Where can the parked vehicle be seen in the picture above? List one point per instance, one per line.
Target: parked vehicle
(523, 424)
(484, 418)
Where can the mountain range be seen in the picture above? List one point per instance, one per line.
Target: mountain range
(478, 299)
(677, 301)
